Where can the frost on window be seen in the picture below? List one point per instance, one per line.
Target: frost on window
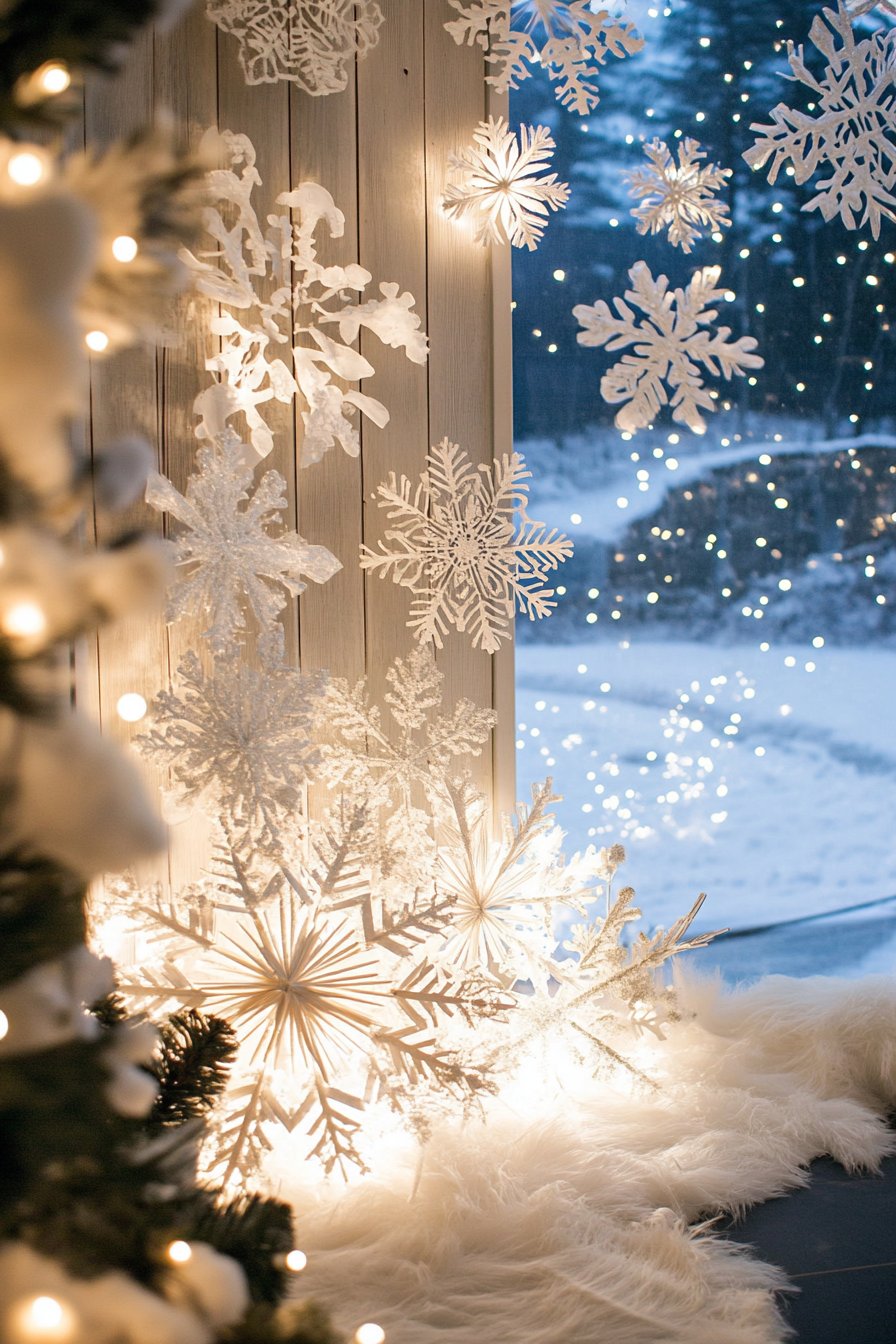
(671, 342)
(852, 134)
(455, 545)
(679, 198)
(248, 261)
(311, 43)
(568, 37)
(495, 182)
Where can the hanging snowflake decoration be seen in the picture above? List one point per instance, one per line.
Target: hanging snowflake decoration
(457, 549)
(670, 345)
(681, 198)
(308, 42)
(575, 40)
(248, 256)
(496, 182)
(854, 133)
(227, 550)
(240, 742)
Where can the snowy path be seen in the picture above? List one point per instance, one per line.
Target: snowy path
(779, 816)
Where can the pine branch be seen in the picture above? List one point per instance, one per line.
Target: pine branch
(196, 1052)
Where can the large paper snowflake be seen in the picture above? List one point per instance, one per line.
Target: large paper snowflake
(678, 198)
(457, 549)
(495, 181)
(576, 39)
(239, 741)
(308, 42)
(226, 549)
(670, 345)
(247, 256)
(853, 133)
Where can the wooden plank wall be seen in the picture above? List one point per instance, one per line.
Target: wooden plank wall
(380, 148)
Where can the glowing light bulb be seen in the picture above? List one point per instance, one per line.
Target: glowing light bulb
(180, 1252)
(54, 78)
(296, 1261)
(44, 1318)
(4, 1024)
(25, 169)
(124, 247)
(131, 707)
(96, 340)
(23, 619)
(370, 1333)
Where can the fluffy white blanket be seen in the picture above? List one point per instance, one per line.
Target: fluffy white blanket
(574, 1223)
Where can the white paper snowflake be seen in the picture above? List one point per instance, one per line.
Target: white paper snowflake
(246, 255)
(854, 133)
(678, 198)
(240, 742)
(308, 42)
(227, 552)
(457, 549)
(575, 40)
(496, 182)
(670, 345)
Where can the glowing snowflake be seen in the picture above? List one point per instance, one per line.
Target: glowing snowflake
(853, 133)
(577, 39)
(456, 548)
(227, 550)
(249, 377)
(309, 42)
(669, 347)
(239, 741)
(495, 181)
(678, 198)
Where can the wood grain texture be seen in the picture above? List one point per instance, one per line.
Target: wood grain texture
(381, 149)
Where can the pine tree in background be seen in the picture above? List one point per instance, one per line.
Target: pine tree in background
(105, 1237)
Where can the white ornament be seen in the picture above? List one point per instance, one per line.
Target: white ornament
(577, 38)
(308, 42)
(227, 550)
(455, 545)
(495, 181)
(678, 198)
(670, 345)
(248, 375)
(853, 133)
(239, 741)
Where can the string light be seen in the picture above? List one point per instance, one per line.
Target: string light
(370, 1333)
(180, 1252)
(25, 169)
(44, 1318)
(53, 78)
(131, 707)
(124, 248)
(296, 1261)
(96, 340)
(23, 619)
(4, 1024)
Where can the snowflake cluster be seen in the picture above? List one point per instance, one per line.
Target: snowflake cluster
(854, 133)
(678, 198)
(495, 181)
(308, 42)
(671, 342)
(245, 259)
(454, 543)
(575, 39)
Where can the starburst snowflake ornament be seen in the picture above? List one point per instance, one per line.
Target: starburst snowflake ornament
(678, 198)
(854, 133)
(308, 42)
(671, 342)
(455, 546)
(495, 183)
(575, 38)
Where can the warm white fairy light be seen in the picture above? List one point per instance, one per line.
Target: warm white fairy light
(23, 619)
(25, 169)
(370, 1333)
(131, 707)
(4, 1024)
(43, 1318)
(296, 1261)
(124, 248)
(96, 341)
(54, 78)
(180, 1252)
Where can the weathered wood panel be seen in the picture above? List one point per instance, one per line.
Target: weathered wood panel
(381, 149)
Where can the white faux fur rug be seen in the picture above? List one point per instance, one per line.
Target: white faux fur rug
(569, 1224)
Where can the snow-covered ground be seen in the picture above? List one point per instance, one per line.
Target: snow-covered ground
(765, 779)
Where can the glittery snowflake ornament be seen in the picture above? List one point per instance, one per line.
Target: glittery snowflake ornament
(496, 183)
(678, 198)
(575, 38)
(671, 342)
(311, 43)
(854, 133)
(455, 545)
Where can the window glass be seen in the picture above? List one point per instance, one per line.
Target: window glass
(715, 689)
